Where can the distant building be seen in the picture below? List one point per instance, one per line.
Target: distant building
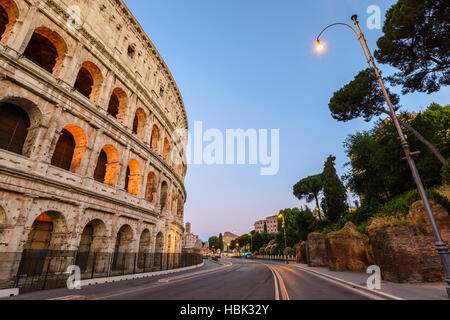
(190, 240)
(227, 238)
(271, 225)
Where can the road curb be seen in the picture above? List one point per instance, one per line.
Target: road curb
(351, 284)
(97, 281)
(187, 276)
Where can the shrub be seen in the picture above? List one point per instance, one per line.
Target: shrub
(446, 174)
(401, 204)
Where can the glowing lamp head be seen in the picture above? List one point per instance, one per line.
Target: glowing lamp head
(320, 46)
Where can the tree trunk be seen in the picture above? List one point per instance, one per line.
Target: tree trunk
(421, 138)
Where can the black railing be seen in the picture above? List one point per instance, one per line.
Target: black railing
(44, 269)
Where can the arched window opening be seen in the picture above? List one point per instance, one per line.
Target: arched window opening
(4, 21)
(100, 169)
(63, 155)
(107, 166)
(166, 150)
(89, 81)
(46, 49)
(163, 198)
(155, 138)
(8, 17)
(70, 148)
(14, 124)
(133, 178)
(144, 249)
(84, 82)
(117, 104)
(124, 239)
(150, 192)
(159, 243)
(93, 240)
(114, 104)
(139, 122)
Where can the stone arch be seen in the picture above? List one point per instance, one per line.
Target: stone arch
(133, 178)
(151, 190)
(8, 16)
(124, 239)
(180, 206)
(154, 142)
(107, 166)
(47, 49)
(144, 250)
(167, 149)
(139, 122)
(70, 148)
(163, 194)
(159, 243)
(94, 237)
(118, 104)
(48, 232)
(89, 81)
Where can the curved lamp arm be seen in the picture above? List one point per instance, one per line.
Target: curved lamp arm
(358, 36)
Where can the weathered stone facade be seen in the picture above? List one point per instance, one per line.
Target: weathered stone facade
(96, 153)
(317, 253)
(404, 248)
(348, 249)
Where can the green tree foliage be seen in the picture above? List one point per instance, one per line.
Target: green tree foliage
(261, 239)
(213, 243)
(309, 189)
(416, 41)
(378, 171)
(335, 194)
(362, 97)
(265, 227)
(299, 223)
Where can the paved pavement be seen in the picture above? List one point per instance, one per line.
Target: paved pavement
(243, 280)
(420, 291)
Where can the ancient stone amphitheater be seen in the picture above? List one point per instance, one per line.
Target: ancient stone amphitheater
(89, 161)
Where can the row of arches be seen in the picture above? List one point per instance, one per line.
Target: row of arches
(47, 49)
(70, 150)
(49, 232)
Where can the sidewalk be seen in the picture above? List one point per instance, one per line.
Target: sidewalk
(420, 291)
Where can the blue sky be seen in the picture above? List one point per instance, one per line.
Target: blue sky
(251, 64)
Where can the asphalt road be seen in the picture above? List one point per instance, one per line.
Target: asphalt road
(244, 280)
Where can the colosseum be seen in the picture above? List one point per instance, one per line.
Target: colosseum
(89, 158)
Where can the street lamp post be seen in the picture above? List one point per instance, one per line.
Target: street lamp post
(441, 246)
(281, 216)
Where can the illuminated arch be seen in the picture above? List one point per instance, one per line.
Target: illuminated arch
(8, 16)
(70, 148)
(47, 49)
(133, 178)
(166, 150)
(155, 138)
(107, 166)
(118, 104)
(151, 187)
(140, 120)
(89, 81)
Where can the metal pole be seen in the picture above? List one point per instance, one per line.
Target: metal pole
(441, 247)
(285, 240)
